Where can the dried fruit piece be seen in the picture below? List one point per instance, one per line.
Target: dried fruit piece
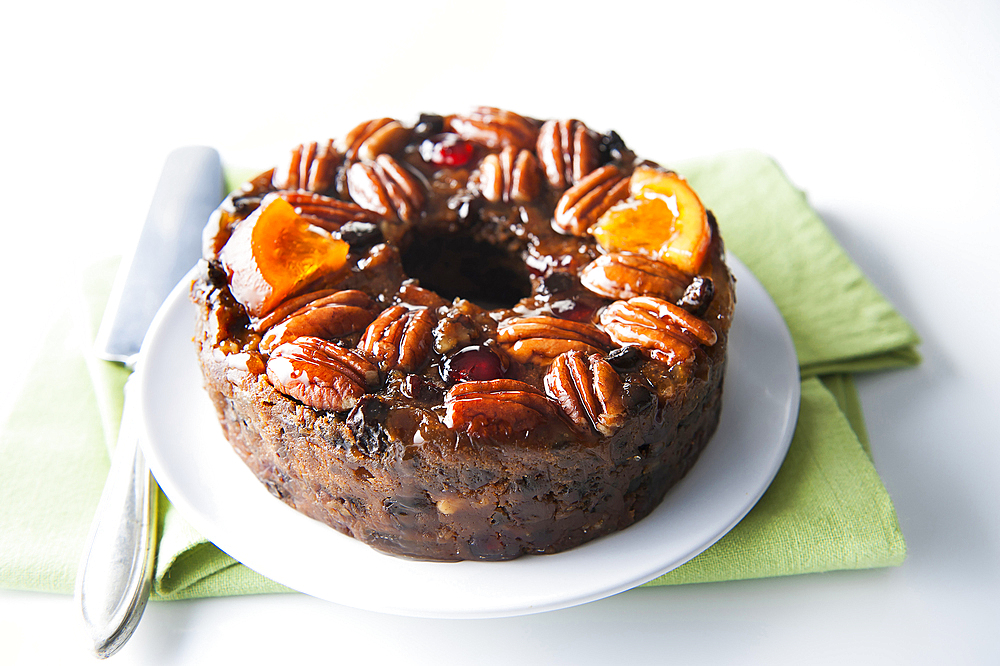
(584, 203)
(361, 234)
(664, 220)
(495, 128)
(387, 188)
(332, 316)
(500, 408)
(624, 359)
(579, 307)
(274, 253)
(623, 276)
(429, 123)
(541, 339)
(510, 176)
(326, 212)
(321, 374)
(400, 338)
(698, 295)
(473, 363)
(611, 147)
(367, 423)
(568, 151)
(446, 150)
(310, 166)
(588, 390)
(662, 330)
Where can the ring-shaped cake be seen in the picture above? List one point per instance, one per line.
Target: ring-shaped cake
(476, 337)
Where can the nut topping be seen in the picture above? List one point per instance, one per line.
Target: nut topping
(374, 137)
(588, 390)
(321, 374)
(509, 176)
(497, 408)
(583, 204)
(288, 307)
(495, 128)
(311, 166)
(412, 293)
(568, 152)
(541, 339)
(623, 276)
(332, 316)
(386, 187)
(400, 338)
(326, 212)
(664, 331)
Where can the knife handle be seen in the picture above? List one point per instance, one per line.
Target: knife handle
(117, 568)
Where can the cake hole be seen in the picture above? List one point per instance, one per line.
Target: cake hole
(461, 267)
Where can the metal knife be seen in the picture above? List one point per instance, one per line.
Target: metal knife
(116, 571)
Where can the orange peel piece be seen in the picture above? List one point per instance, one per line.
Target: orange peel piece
(274, 253)
(663, 219)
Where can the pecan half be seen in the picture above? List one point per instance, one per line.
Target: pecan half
(374, 137)
(288, 307)
(588, 390)
(495, 128)
(400, 338)
(662, 330)
(497, 408)
(412, 293)
(332, 316)
(582, 205)
(510, 176)
(326, 212)
(310, 166)
(568, 151)
(386, 187)
(623, 276)
(321, 374)
(541, 339)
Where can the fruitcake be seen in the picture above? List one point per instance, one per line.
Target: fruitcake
(472, 337)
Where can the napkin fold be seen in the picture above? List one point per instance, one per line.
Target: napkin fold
(825, 510)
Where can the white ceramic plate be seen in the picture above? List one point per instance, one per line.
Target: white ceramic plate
(218, 495)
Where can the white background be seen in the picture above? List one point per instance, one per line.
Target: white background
(885, 113)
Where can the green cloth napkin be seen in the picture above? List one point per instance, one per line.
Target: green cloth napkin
(826, 510)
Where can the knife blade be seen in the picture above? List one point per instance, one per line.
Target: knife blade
(116, 570)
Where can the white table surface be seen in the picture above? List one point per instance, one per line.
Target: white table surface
(885, 113)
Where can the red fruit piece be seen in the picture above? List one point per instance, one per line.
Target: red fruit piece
(577, 308)
(446, 150)
(475, 363)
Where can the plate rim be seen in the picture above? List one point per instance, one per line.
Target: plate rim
(225, 540)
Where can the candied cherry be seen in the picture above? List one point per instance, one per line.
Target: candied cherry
(446, 150)
(274, 252)
(664, 220)
(475, 363)
(576, 308)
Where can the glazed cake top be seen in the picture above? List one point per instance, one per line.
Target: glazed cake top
(500, 275)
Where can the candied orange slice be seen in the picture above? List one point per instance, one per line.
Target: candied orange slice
(274, 252)
(663, 219)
